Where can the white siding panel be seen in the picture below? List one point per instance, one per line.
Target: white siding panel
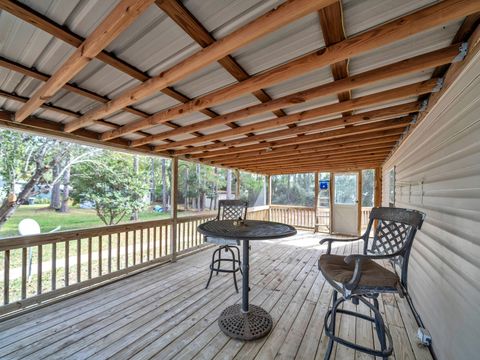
(438, 172)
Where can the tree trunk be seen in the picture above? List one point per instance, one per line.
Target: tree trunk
(8, 207)
(66, 190)
(134, 216)
(164, 186)
(229, 184)
(55, 192)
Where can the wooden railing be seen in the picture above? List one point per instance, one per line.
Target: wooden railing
(298, 216)
(35, 269)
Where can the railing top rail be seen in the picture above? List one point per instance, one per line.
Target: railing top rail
(48, 238)
(292, 207)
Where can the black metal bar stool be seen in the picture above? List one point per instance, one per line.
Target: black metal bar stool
(360, 279)
(227, 210)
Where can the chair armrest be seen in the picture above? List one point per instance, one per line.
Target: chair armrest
(330, 240)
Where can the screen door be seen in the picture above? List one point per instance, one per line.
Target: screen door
(345, 203)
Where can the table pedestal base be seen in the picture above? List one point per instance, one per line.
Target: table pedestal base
(255, 324)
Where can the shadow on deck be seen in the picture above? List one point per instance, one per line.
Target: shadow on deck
(166, 313)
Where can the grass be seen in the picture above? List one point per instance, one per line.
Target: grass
(76, 218)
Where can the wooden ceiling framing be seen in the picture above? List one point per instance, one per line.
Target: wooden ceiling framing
(353, 133)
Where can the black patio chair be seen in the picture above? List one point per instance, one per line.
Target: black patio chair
(360, 279)
(227, 210)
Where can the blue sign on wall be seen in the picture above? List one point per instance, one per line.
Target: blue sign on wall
(323, 184)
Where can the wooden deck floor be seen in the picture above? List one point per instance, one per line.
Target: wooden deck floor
(165, 313)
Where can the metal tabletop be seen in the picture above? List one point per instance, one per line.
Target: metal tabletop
(249, 230)
(245, 321)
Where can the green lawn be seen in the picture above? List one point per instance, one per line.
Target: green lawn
(75, 219)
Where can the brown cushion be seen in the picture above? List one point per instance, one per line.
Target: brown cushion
(373, 274)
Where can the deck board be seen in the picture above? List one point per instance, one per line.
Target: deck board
(166, 313)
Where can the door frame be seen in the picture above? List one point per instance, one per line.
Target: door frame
(359, 199)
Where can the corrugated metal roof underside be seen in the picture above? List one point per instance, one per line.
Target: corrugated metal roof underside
(154, 43)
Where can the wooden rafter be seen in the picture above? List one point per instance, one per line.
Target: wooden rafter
(36, 19)
(325, 155)
(33, 73)
(54, 129)
(354, 104)
(331, 22)
(385, 34)
(60, 110)
(342, 144)
(401, 68)
(184, 18)
(114, 23)
(284, 14)
(359, 129)
(362, 118)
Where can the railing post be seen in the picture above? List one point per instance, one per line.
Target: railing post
(174, 201)
(315, 204)
(237, 187)
(377, 197)
(269, 197)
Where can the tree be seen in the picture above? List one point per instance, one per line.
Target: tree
(26, 159)
(111, 185)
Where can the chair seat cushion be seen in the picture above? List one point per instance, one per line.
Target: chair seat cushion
(374, 276)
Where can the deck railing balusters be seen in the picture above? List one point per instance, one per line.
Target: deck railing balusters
(54, 266)
(67, 262)
(24, 273)
(39, 269)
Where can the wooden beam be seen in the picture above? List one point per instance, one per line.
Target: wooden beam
(331, 22)
(360, 129)
(281, 148)
(303, 149)
(63, 111)
(385, 34)
(316, 153)
(363, 155)
(337, 166)
(284, 14)
(53, 129)
(378, 187)
(401, 68)
(33, 73)
(118, 20)
(184, 18)
(354, 104)
(61, 32)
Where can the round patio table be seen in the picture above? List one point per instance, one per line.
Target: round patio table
(245, 321)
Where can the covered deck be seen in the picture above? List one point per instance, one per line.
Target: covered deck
(166, 313)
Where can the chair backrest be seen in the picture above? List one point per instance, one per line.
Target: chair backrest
(232, 209)
(394, 234)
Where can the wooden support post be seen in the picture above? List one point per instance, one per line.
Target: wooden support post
(237, 184)
(174, 201)
(359, 201)
(269, 196)
(330, 202)
(377, 199)
(315, 202)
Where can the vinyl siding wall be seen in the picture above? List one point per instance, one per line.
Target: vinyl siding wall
(438, 171)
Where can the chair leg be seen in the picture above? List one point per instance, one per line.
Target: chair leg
(219, 258)
(380, 327)
(382, 331)
(331, 326)
(239, 261)
(233, 268)
(211, 268)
